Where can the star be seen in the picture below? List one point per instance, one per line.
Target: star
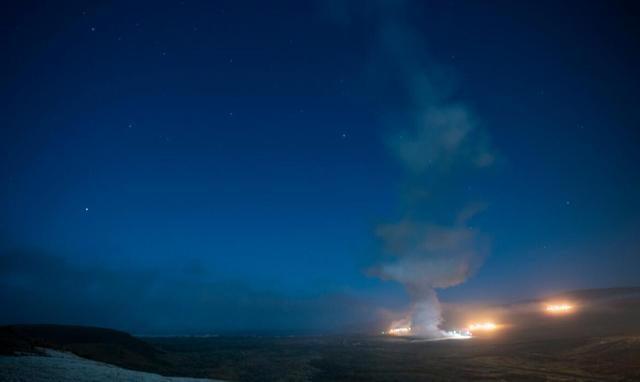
(86, 209)
(344, 135)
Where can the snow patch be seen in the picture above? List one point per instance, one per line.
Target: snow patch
(57, 366)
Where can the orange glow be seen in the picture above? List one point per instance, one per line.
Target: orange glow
(484, 326)
(559, 308)
(402, 331)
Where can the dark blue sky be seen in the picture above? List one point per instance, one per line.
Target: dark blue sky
(230, 159)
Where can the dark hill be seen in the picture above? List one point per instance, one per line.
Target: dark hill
(100, 344)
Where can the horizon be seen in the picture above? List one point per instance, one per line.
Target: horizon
(238, 166)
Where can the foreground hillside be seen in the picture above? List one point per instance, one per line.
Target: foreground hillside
(100, 344)
(55, 366)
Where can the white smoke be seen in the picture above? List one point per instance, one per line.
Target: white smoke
(425, 257)
(439, 141)
(441, 137)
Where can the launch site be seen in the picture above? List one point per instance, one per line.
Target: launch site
(319, 190)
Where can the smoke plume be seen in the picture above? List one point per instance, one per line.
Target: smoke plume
(439, 142)
(425, 256)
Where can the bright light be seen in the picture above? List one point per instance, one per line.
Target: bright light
(457, 334)
(402, 331)
(484, 326)
(559, 308)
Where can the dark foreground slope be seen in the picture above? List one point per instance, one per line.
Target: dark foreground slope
(100, 344)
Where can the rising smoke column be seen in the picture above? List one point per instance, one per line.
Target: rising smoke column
(425, 257)
(438, 142)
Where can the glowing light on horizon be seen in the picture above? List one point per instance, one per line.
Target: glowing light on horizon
(559, 308)
(401, 331)
(456, 334)
(463, 334)
(484, 326)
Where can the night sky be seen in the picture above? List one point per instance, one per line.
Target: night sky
(196, 166)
